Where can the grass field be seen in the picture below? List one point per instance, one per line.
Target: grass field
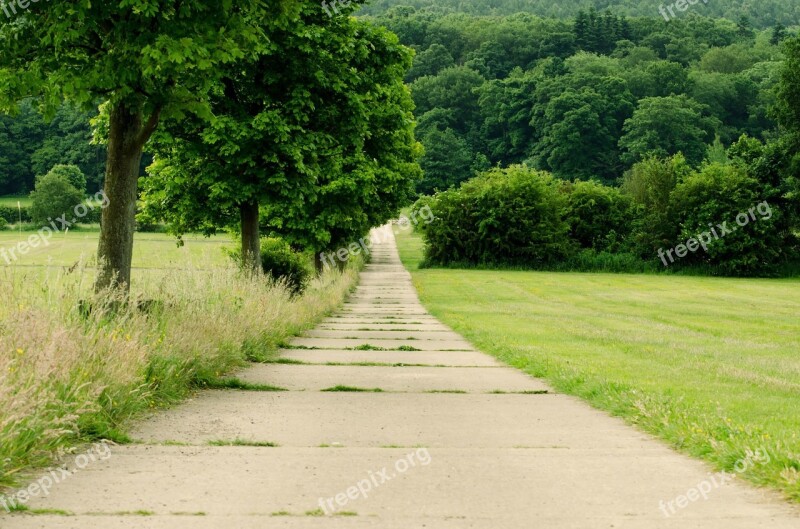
(12, 201)
(711, 365)
(150, 251)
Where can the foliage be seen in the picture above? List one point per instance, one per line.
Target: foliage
(73, 175)
(53, 198)
(599, 217)
(760, 240)
(280, 261)
(326, 160)
(503, 216)
(664, 126)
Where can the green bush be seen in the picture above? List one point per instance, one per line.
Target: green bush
(279, 260)
(599, 216)
(3, 223)
(761, 245)
(11, 214)
(504, 216)
(72, 173)
(650, 183)
(53, 197)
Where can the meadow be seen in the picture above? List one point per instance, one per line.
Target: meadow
(710, 365)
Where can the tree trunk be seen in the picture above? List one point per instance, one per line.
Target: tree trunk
(115, 250)
(251, 236)
(319, 265)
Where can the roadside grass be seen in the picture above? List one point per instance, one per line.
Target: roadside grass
(68, 375)
(710, 365)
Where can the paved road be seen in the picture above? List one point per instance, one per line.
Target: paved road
(452, 440)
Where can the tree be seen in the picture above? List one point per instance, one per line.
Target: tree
(430, 62)
(68, 140)
(447, 161)
(663, 126)
(20, 135)
(150, 59)
(54, 197)
(313, 141)
(73, 175)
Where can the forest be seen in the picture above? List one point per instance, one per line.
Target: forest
(763, 14)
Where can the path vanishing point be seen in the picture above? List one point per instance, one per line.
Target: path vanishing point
(453, 440)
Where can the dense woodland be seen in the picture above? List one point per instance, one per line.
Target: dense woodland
(583, 98)
(764, 13)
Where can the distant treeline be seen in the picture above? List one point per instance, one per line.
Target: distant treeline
(764, 13)
(584, 98)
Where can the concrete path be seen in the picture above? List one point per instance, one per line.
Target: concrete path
(445, 438)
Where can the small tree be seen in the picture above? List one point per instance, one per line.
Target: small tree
(54, 197)
(72, 173)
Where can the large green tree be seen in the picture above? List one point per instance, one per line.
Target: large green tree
(663, 126)
(150, 59)
(317, 134)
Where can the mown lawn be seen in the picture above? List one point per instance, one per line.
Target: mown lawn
(11, 201)
(711, 365)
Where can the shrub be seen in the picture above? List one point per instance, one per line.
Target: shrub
(503, 216)
(599, 216)
(3, 223)
(53, 197)
(72, 173)
(279, 260)
(650, 183)
(11, 214)
(719, 193)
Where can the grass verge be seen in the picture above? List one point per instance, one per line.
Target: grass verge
(68, 377)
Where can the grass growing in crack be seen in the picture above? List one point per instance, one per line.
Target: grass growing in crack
(243, 442)
(51, 512)
(365, 347)
(351, 389)
(457, 391)
(241, 385)
(526, 392)
(285, 361)
(407, 348)
(298, 347)
(315, 512)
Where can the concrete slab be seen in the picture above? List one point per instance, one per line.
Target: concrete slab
(393, 334)
(434, 420)
(431, 358)
(403, 326)
(423, 345)
(571, 488)
(407, 379)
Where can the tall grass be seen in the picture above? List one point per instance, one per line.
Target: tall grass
(72, 371)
